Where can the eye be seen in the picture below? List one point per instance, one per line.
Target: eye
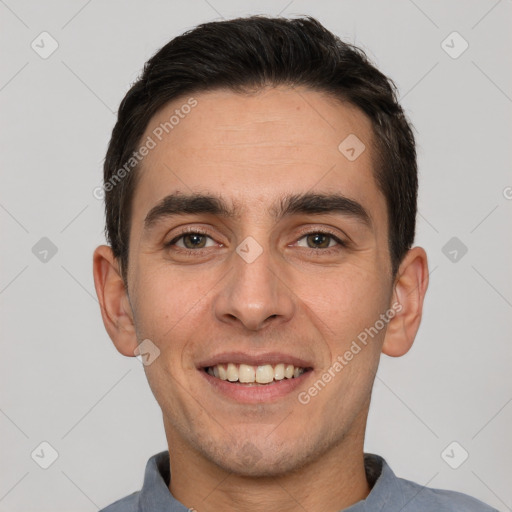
(320, 240)
(191, 240)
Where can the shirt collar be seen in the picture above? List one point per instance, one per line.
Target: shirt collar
(385, 492)
(155, 493)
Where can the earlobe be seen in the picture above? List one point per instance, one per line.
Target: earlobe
(409, 292)
(113, 298)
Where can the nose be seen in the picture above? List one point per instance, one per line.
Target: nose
(255, 293)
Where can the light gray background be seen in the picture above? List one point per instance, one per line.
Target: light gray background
(62, 381)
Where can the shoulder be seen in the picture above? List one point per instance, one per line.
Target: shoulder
(391, 493)
(129, 503)
(419, 498)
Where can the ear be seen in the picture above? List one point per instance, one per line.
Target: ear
(113, 298)
(409, 291)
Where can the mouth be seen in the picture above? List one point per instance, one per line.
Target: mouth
(263, 374)
(254, 379)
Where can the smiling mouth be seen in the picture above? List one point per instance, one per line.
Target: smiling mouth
(255, 375)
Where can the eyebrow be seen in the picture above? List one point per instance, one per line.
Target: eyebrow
(292, 204)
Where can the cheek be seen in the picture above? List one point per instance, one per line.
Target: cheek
(171, 308)
(347, 300)
(157, 308)
(167, 306)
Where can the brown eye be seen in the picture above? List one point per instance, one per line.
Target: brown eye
(192, 241)
(318, 240)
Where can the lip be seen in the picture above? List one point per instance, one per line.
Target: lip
(247, 394)
(254, 359)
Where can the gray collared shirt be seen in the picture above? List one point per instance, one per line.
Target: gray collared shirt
(388, 494)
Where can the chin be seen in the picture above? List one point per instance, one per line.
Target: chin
(262, 468)
(251, 460)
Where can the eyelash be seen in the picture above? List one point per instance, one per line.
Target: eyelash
(316, 252)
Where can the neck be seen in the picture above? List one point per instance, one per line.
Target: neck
(333, 482)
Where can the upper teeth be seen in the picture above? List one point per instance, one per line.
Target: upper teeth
(261, 374)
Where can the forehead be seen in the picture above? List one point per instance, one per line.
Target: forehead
(253, 147)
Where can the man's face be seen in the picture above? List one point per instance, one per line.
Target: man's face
(290, 294)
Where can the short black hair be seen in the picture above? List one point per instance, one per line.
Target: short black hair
(247, 54)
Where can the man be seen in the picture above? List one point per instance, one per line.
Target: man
(260, 211)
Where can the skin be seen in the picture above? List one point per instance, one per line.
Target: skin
(252, 150)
